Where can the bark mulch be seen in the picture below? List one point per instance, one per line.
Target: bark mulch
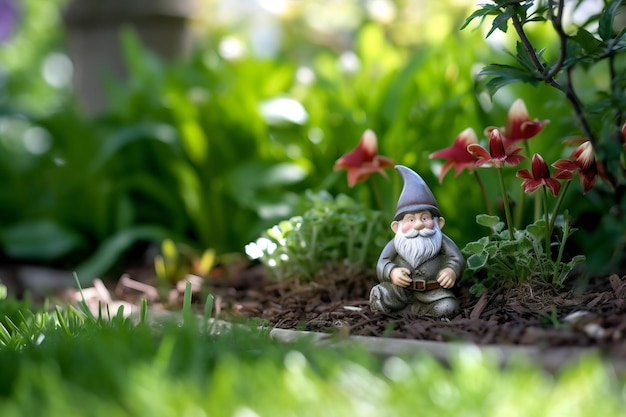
(337, 301)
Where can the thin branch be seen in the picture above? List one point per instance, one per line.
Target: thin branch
(557, 23)
(578, 109)
(517, 24)
(618, 112)
(568, 89)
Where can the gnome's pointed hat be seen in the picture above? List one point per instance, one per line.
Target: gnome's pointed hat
(415, 196)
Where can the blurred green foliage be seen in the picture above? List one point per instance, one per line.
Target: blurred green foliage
(211, 150)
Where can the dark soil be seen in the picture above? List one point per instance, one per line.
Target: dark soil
(585, 315)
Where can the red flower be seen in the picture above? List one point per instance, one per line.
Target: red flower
(498, 155)
(364, 160)
(584, 162)
(457, 155)
(540, 175)
(518, 124)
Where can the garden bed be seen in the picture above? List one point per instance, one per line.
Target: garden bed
(581, 316)
(527, 315)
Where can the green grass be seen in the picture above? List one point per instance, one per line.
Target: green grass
(68, 363)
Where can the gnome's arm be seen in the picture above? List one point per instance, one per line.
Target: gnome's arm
(453, 257)
(385, 263)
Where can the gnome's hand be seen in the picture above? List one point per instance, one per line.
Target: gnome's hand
(446, 277)
(400, 276)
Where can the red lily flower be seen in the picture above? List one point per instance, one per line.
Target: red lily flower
(457, 155)
(518, 124)
(364, 160)
(498, 155)
(584, 163)
(540, 175)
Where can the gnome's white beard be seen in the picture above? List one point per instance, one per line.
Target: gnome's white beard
(418, 246)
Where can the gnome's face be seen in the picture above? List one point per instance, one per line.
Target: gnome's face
(418, 236)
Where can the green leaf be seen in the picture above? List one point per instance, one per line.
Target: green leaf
(524, 58)
(605, 24)
(500, 22)
(586, 40)
(249, 182)
(474, 247)
(502, 75)
(123, 137)
(487, 220)
(487, 9)
(477, 260)
(40, 240)
(537, 229)
(477, 289)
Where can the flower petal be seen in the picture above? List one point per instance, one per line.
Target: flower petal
(585, 156)
(524, 173)
(553, 185)
(369, 144)
(479, 152)
(530, 185)
(517, 115)
(457, 154)
(518, 124)
(496, 145)
(539, 167)
(364, 160)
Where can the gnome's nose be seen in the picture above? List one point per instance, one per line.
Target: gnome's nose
(419, 225)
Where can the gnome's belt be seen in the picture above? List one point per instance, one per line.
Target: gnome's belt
(423, 285)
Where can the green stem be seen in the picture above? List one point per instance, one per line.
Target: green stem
(483, 190)
(376, 192)
(366, 242)
(537, 213)
(505, 200)
(519, 207)
(557, 206)
(557, 264)
(548, 229)
(549, 79)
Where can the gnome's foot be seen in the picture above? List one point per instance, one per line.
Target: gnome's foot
(375, 304)
(446, 307)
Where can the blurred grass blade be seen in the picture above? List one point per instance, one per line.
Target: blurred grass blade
(187, 312)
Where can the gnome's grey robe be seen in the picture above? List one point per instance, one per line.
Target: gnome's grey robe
(390, 298)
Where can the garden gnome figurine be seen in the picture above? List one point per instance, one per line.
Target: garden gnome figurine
(419, 266)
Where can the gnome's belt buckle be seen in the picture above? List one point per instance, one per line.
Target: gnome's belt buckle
(422, 285)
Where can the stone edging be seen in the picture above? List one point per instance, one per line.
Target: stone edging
(551, 359)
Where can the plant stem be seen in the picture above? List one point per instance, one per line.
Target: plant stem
(366, 242)
(376, 192)
(505, 201)
(557, 206)
(483, 190)
(548, 78)
(557, 24)
(548, 229)
(557, 264)
(519, 212)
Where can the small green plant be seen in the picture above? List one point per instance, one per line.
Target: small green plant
(497, 259)
(332, 230)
